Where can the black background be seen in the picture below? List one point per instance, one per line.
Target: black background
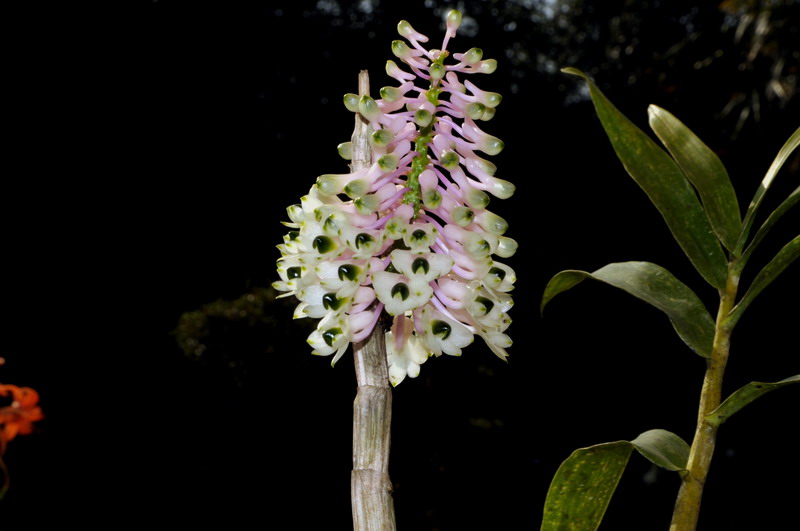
(154, 147)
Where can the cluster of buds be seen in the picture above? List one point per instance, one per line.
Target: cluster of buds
(409, 235)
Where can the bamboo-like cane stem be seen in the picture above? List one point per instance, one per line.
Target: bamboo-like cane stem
(687, 506)
(370, 488)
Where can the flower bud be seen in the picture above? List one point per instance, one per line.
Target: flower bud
(491, 145)
(369, 108)
(345, 150)
(387, 163)
(367, 204)
(477, 199)
(472, 56)
(401, 50)
(356, 188)
(437, 71)
(491, 222)
(423, 118)
(488, 114)
(391, 94)
(487, 66)
(475, 110)
(506, 247)
(394, 71)
(381, 137)
(351, 102)
(453, 21)
(405, 29)
(500, 188)
(449, 160)
(462, 216)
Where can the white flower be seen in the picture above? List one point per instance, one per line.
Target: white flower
(405, 352)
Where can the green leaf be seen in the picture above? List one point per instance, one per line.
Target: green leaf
(776, 214)
(666, 186)
(776, 165)
(656, 286)
(583, 485)
(775, 267)
(663, 448)
(744, 396)
(705, 171)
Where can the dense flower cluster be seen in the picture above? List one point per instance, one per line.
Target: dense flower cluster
(409, 235)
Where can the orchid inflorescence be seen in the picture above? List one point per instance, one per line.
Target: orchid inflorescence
(409, 234)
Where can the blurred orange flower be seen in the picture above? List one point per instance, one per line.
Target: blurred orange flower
(18, 417)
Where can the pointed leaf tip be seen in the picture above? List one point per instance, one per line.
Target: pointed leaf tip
(743, 396)
(663, 448)
(654, 285)
(665, 184)
(574, 72)
(704, 170)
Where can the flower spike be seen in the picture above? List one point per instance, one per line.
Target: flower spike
(409, 236)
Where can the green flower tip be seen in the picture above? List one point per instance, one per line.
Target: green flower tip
(400, 49)
(368, 107)
(423, 118)
(351, 102)
(493, 145)
(487, 115)
(475, 110)
(382, 137)
(437, 71)
(462, 216)
(345, 150)
(356, 188)
(388, 163)
(488, 66)
(450, 160)
(390, 94)
(404, 28)
(492, 99)
(506, 247)
(477, 198)
(453, 20)
(473, 55)
(328, 184)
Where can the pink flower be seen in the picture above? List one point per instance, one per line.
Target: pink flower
(410, 235)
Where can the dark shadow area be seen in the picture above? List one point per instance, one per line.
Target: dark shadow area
(154, 150)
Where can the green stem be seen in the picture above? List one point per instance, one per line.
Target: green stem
(687, 505)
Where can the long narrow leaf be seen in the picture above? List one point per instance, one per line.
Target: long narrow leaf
(776, 214)
(705, 171)
(744, 396)
(776, 165)
(788, 254)
(666, 186)
(656, 286)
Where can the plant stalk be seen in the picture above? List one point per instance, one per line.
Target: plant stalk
(687, 505)
(370, 486)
